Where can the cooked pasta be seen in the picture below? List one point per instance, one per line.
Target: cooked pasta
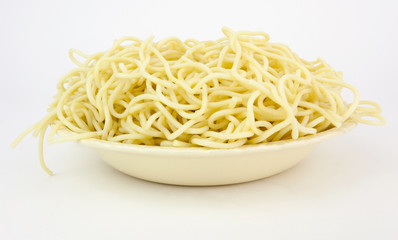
(238, 90)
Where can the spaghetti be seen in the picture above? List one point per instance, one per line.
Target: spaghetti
(238, 90)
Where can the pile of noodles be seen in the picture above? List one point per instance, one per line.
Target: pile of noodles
(240, 89)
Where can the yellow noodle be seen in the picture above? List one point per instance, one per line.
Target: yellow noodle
(240, 89)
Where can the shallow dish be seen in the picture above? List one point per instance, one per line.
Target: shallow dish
(205, 167)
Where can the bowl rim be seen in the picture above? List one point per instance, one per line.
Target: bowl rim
(261, 147)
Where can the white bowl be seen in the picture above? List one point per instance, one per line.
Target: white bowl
(196, 166)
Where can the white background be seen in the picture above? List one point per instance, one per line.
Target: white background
(346, 189)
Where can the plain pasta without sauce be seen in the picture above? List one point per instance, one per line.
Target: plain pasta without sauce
(238, 90)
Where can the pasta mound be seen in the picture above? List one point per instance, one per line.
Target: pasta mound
(240, 89)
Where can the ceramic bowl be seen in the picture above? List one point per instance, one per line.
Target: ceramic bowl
(196, 166)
